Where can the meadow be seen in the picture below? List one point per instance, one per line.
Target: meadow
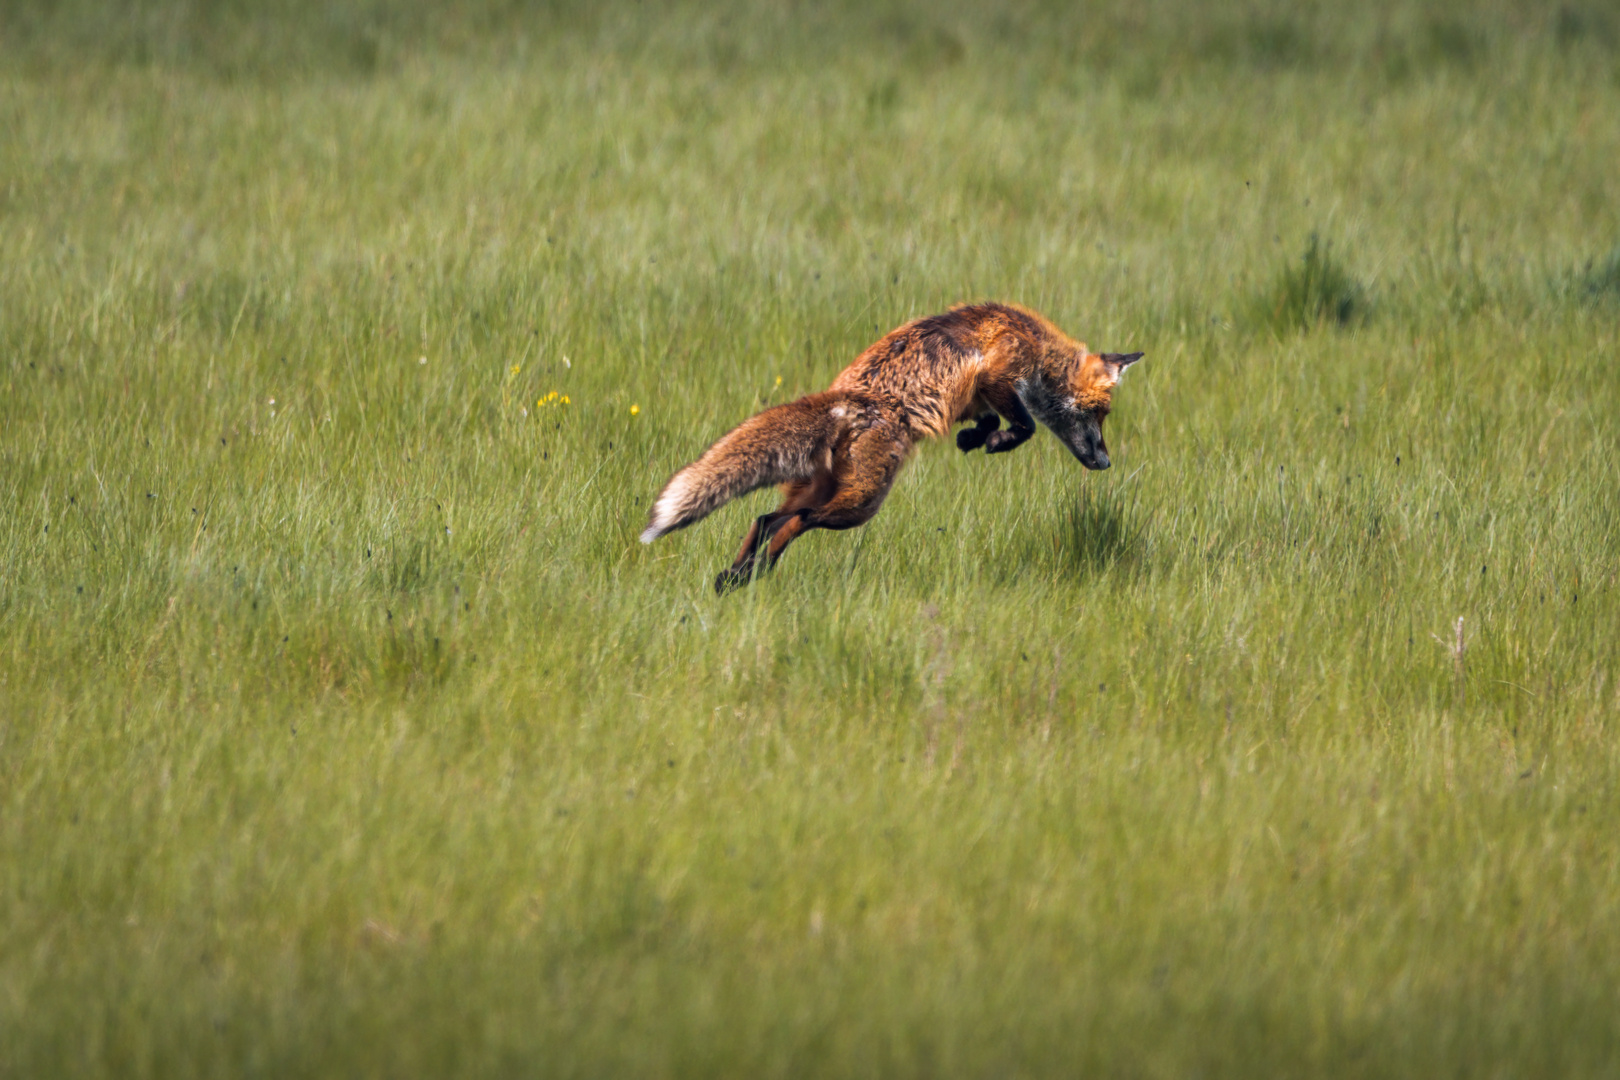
(346, 729)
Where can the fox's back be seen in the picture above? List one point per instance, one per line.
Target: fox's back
(933, 366)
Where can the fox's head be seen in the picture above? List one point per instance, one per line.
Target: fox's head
(1073, 399)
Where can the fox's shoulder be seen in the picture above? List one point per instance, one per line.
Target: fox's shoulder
(995, 319)
(1002, 329)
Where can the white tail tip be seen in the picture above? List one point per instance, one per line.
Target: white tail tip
(666, 514)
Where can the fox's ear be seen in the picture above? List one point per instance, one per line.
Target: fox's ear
(1118, 362)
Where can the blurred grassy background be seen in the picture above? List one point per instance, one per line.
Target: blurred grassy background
(346, 729)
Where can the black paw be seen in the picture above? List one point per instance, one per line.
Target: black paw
(969, 439)
(999, 441)
(732, 578)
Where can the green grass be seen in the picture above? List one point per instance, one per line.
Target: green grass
(345, 729)
(1318, 290)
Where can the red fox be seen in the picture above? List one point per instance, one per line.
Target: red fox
(837, 453)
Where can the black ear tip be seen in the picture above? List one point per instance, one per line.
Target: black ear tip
(1122, 358)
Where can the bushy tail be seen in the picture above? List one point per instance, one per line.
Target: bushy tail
(777, 446)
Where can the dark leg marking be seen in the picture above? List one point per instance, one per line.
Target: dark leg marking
(1007, 403)
(974, 437)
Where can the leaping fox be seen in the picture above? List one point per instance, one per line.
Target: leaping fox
(836, 454)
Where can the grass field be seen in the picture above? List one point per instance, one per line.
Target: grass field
(346, 729)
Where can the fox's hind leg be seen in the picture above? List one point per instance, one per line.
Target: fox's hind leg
(795, 497)
(742, 569)
(863, 476)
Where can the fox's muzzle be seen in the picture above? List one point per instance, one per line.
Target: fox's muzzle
(1083, 437)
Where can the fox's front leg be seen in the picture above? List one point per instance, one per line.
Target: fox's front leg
(974, 437)
(1005, 400)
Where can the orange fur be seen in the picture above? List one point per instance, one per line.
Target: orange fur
(836, 454)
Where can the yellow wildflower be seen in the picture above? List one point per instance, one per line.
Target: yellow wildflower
(635, 409)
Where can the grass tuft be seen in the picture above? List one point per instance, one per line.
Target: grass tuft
(1317, 290)
(1100, 529)
(1598, 282)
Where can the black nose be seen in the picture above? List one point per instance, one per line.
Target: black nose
(1100, 462)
